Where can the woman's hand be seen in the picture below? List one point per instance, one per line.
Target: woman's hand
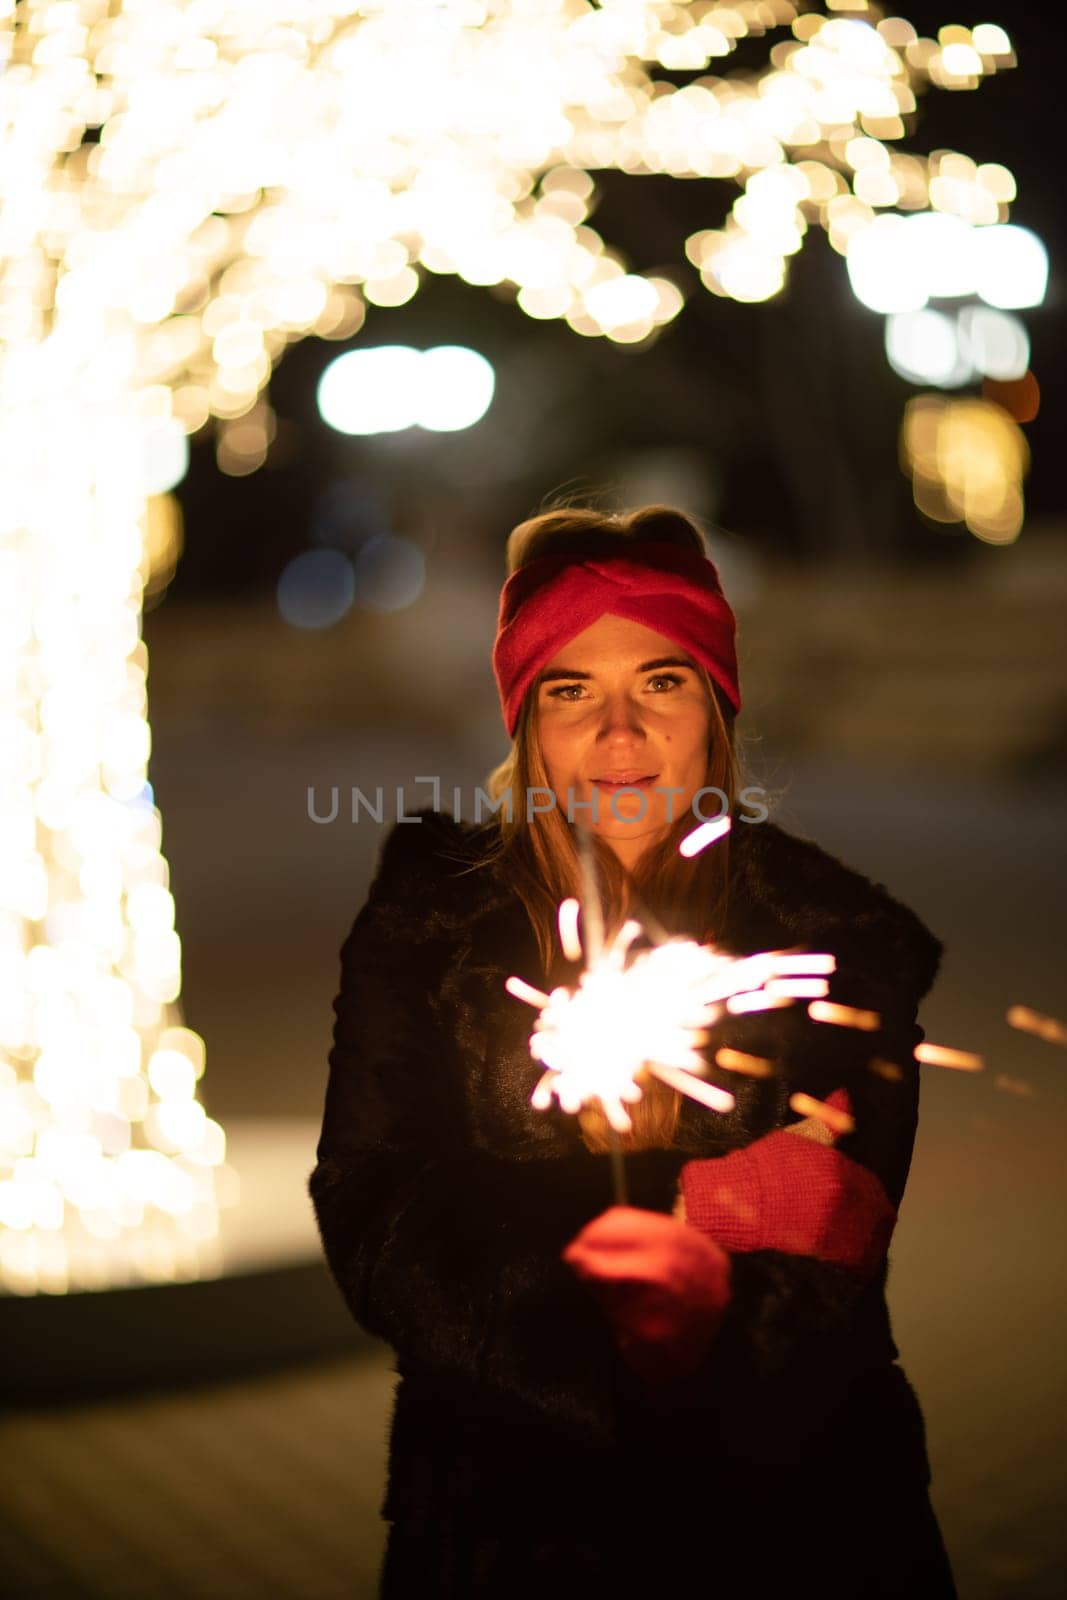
(814, 1128)
(796, 1195)
(663, 1287)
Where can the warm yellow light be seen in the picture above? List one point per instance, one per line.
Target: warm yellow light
(989, 40)
(967, 458)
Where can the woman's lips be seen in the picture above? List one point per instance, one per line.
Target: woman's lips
(640, 781)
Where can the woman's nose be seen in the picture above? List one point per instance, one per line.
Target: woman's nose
(621, 715)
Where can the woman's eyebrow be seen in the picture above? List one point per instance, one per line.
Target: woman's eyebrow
(646, 666)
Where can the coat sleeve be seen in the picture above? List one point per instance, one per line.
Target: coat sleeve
(800, 1332)
(449, 1253)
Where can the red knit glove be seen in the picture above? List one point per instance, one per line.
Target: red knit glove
(787, 1192)
(663, 1286)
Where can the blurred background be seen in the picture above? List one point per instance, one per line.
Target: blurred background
(319, 610)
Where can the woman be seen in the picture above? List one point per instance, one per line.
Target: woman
(701, 1384)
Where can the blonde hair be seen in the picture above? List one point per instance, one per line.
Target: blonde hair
(684, 896)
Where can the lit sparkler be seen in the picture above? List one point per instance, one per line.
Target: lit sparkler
(648, 1013)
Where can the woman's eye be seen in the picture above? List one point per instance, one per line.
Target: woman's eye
(570, 692)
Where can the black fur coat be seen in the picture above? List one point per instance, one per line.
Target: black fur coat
(524, 1458)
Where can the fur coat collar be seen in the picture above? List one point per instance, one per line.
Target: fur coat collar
(784, 889)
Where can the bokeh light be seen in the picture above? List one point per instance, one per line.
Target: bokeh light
(952, 349)
(1011, 267)
(899, 263)
(885, 270)
(455, 388)
(389, 574)
(924, 347)
(391, 387)
(997, 343)
(316, 589)
(346, 512)
(1019, 397)
(967, 458)
(166, 456)
(371, 391)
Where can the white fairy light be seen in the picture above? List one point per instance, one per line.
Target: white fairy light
(388, 388)
(996, 343)
(927, 347)
(1011, 267)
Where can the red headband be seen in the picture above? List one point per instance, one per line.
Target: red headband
(671, 589)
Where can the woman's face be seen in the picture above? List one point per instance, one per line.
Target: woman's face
(622, 704)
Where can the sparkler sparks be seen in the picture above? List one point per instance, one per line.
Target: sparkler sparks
(649, 1015)
(943, 1055)
(739, 1061)
(701, 837)
(597, 1040)
(1016, 1086)
(844, 1016)
(807, 1106)
(1051, 1029)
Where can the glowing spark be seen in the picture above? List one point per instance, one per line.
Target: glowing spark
(1051, 1029)
(526, 991)
(707, 1093)
(568, 929)
(806, 1106)
(701, 837)
(1017, 1086)
(942, 1055)
(798, 988)
(844, 1016)
(886, 1069)
(649, 1014)
(738, 1061)
(756, 1002)
(804, 962)
(621, 1021)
